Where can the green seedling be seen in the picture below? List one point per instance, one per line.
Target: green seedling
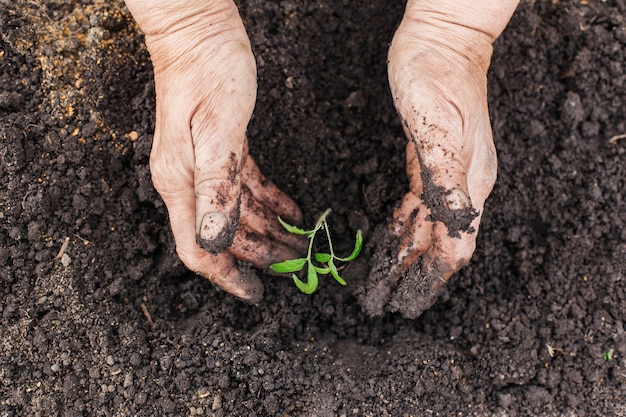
(608, 355)
(316, 263)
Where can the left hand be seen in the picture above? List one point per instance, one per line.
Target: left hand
(438, 64)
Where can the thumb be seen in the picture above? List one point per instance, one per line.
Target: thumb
(218, 130)
(438, 160)
(217, 184)
(444, 184)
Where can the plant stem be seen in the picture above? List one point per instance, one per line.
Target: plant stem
(322, 218)
(320, 223)
(330, 242)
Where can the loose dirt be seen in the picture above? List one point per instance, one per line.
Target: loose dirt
(115, 325)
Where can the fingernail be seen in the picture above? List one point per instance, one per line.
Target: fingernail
(212, 225)
(456, 199)
(215, 234)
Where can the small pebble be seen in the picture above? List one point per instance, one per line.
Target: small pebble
(66, 260)
(203, 393)
(128, 380)
(217, 403)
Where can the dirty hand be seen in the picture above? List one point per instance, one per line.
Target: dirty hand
(220, 206)
(438, 63)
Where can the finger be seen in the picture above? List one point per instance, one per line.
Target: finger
(410, 234)
(411, 200)
(443, 175)
(218, 126)
(263, 221)
(265, 192)
(258, 249)
(217, 194)
(171, 165)
(383, 275)
(217, 182)
(204, 160)
(410, 224)
(219, 269)
(413, 231)
(421, 282)
(222, 271)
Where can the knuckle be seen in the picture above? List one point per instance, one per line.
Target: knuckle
(464, 254)
(158, 171)
(191, 260)
(168, 174)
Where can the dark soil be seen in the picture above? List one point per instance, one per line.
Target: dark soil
(116, 326)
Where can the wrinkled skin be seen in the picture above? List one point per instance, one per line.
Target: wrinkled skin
(220, 206)
(438, 63)
(222, 209)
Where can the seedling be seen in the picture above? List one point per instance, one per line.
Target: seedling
(608, 355)
(316, 263)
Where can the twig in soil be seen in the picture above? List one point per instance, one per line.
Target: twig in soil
(85, 241)
(147, 314)
(615, 138)
(552, 349)
(64, 246)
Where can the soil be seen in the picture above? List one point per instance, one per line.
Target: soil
(115, 325)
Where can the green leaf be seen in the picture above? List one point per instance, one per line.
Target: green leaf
(322, 258)
(357, 248)
(335, 273)
(293, 229)
(322, 270)
(310, 286)
(290, 265)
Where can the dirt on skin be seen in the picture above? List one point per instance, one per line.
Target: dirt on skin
(115, 325)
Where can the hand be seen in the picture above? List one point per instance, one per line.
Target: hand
(221, 208)
(438, 63)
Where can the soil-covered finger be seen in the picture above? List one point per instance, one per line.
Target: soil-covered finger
(217, 206)
(407, 272)
(263, 221)
(450, 206)
(422, 281)
(375, 291)
(436, 166)
(413, 229)
(259, 250)
(417, 290)
(222, 271)
(266, 193)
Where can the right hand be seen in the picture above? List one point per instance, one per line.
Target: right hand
(220, 206)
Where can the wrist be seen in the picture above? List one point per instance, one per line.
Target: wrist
(158, 18)
(193, 29)
(487, 18)
(467, 29)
